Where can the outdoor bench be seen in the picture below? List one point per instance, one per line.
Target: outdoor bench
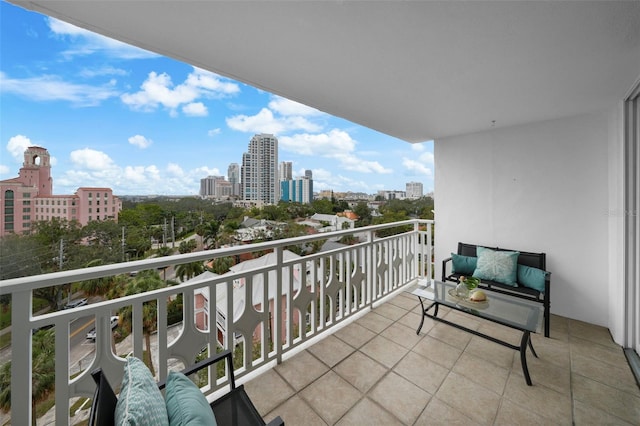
(232, 408)
(530, 279)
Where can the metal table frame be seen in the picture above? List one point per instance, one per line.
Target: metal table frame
(440, 299)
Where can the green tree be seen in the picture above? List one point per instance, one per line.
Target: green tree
(185, 271)
(364, 213)
(210, 233)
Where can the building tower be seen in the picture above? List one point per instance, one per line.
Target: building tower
(308, 174)
(414, 190)
(259, 172)
(36, 170)
(233, 175)
(286, 170)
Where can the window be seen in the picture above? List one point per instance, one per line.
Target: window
(89, 211)
(26, 217)
(26, 195)
(90, 195)
(26, 202)
(89, 202)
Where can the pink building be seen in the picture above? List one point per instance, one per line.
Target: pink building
(29, 198)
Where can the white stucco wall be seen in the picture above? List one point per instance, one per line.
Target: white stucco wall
(539, 187)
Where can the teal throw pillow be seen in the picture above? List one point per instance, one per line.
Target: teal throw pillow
(532, 277)
(463, 264)
(498, 266)
(186, 404)
(140, 401)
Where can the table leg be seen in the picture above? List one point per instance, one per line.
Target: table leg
(424, 313)
(526, 341)
(533, 351)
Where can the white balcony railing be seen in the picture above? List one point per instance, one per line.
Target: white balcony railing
(333, 287)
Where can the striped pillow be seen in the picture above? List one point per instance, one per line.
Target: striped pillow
(140, 401)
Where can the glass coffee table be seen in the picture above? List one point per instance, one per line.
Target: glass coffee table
(510, 311)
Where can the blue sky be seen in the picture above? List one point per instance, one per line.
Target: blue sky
(116, 116)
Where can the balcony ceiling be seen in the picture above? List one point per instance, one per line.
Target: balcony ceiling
(413, 70)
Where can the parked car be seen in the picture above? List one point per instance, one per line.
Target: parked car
(75, 303)
(92, 334)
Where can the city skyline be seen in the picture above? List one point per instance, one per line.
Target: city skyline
(117, 116)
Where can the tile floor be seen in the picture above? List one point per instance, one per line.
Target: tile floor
(377, 371)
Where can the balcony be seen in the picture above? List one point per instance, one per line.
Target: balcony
(358, 356)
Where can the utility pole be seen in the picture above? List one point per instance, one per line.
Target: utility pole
(173, 232)
(164, 233)
(123, 243)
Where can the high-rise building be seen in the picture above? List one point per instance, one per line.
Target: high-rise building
(259, 172)
(215, 187)
(298, 190)
(29, 198)
(233, 175)
(308, 174)
(286, 170)
(414, 190)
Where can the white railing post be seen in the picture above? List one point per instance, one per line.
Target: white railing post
(21, 344)
(277, 304)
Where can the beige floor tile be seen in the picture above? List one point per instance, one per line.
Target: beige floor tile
(539, 399)
(544, 373)
(366, 412)
(591, 332)
(438, 351)
(355, 335)
(553, 351)
(295, 411)
(618, 377)
(606, 354)
(606, 398)
(412, 320)
(384, 351)
(402, 335)
(407, 303)
(421, 371)
(501, 332)
(390, 311)
(439, 413)
(400, 397)
(331, 350)
(267, 391)
(491, 352)
(361, 371)
(374, 322)
(463, 319)
(473, 400)
(331, 397)
(301, 370)
(587, 414)
(450, 335)
(484, 373)
(510, 414)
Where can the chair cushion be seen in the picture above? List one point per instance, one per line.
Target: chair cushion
(532, 277)
(463, 264)
(497, 265)
(140, 401)
(186, 404)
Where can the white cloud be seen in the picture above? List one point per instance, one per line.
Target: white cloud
(336, 144)
(99, 72)
(17, 145)
(91, 159)
(158, 91)
(53, 88)
(4, 169)
(265, 122)
(175, 170)
(214, 132)
(83, 42)
(195, 109)
(140, 141)
(288, 107)
(418, 147)
(423, 165)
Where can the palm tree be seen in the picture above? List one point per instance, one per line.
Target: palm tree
(145, 281)
(210, 233)
(189, 270)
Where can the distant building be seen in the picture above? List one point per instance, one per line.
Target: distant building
(215, 187)
(286, 170)
(298, 190)
(29, 198)
(392, 195)
(414, 190)
(233, 175)
(259, 171)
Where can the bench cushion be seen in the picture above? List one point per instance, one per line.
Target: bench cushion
(532, 277)
(500, 266)
(463, 264)
(186, 404)
(140, 402)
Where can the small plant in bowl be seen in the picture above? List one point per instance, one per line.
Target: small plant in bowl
(470, 282)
